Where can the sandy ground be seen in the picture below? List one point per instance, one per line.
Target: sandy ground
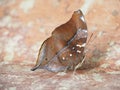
(25, 24)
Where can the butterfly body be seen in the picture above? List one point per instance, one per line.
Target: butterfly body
(65, 48)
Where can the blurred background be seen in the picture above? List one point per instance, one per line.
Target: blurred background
(25, 24)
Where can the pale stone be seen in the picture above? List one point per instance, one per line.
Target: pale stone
(27, 5)
(12, 88)
(105, 65)
(98, 77)
(117, 63)
(9, 56)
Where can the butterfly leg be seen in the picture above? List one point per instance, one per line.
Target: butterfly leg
(79, 65)
(66, 69)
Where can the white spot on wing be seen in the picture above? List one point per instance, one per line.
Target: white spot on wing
(78, 51)
(73, 48)
(63, 58)
(83, 45)
(78, 45)
(84, 31)
(70, 54)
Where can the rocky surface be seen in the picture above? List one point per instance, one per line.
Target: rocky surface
(25, 24)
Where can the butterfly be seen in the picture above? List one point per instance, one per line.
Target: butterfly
(65, 48)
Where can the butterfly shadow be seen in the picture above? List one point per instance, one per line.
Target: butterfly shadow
(92, 61)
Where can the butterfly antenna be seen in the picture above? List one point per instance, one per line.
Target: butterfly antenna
(90, 38)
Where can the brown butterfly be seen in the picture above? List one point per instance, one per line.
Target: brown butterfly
(64, 50)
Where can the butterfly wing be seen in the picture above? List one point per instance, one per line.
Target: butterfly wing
(65, 48)
(73, 53)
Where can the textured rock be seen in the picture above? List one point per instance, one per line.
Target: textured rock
(24, 25)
